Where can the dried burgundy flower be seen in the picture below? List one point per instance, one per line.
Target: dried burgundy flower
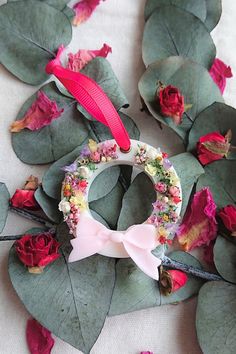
(199, 226)
(41, 113)
(38, 338)
(219, 73)
(24, 199)
(228, 216)
(212, 147)
(172, 280)
(171, 103)
(37, 250)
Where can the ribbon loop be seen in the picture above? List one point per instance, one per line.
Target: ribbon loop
(91, 96)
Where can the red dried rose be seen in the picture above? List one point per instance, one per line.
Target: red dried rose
(38, 338)
(171, 103)
(212, 147)
(172, 280)
(228, 216)
(219, 73)
(38, 250)
(24, 199)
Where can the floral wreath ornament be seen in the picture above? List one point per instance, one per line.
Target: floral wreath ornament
(92, 236)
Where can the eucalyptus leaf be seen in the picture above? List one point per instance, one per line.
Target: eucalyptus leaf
(225, 258)
(98, 217)
(109, 206)
(193, 284)
(137, 202)
(188, 176)
(165, 35)
(49, 205)
(4, 205)
(55, 140)
(218, 117)
(133, 290)
(197, 8)
(214, 10)
(216, 318)
(69, 12)
(220, 176)
(31, 32)
(70, 299)
(181, 73)
(58, 4)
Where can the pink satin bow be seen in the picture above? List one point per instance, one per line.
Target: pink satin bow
(138, 241)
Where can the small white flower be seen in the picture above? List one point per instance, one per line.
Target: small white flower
(165, 199)
(84, 172)
(64, 206)
(152, 154)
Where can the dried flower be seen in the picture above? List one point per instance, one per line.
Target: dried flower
(171, 103)
(219, 73)
(171, 281)
(77, 61)
(37, 251)
(228, 216)
(64, 206)
(212, 147)
(151, 169)
(24, 199)
(38, 338)
(41, 113)
(32, 183)
(199, 225)
(83, 10)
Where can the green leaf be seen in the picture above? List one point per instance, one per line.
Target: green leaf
(197, 8)
(69, 12)
(58, 4)
(109, 206)
(225, 258)
(55, 140)
(137, 202)
(218, 117)
(188, 176)
(133, 290)
(4, 204)
(31, 32)
(70, 299)
(98, 217)
(49, 205)
(216, 318)
(220, 176)
(193, 284)
(181, 73)
(172, 31)
(214, 10)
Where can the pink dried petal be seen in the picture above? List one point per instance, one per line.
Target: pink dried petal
(38, 338)
(199, 225)
(41, 113)
(146, 353)
(179, 279)
(219, 73)
(77, 61)
(83, 10)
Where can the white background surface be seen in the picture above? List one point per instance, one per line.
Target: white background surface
(163, 330)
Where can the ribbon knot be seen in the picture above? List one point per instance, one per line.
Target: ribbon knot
(138, 241)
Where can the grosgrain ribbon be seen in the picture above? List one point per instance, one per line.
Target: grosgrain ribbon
(138, 241)
(91, 96)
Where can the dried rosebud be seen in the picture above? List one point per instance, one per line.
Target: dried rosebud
(171, 103)
(41, 113)
(199, 225)
(37, 251)
(77, 61)
(38, 338)
(228, 216)
(212, 147)
(171, 281)
(32, 183)
(219, 73)
(24, 199)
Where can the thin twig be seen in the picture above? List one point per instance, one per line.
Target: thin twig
(28, 215)
(170, 263)
(18, 237)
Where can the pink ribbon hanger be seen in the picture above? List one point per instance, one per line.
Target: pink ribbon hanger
(91, 96)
